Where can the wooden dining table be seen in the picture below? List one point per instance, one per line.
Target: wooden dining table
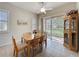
(28, 37)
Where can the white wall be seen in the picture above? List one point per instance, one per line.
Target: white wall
(15, 14)
(77, 6)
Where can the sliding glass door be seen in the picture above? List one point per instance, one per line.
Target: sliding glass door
(54, 27)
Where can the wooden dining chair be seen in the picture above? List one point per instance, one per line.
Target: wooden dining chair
(34, 45)
(41, 42)
(18, 48)
(44, 34)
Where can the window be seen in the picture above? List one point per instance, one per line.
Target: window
(3, 20)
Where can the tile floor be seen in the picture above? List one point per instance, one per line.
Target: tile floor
(54, 48)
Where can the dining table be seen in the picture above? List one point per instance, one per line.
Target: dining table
(28, 37)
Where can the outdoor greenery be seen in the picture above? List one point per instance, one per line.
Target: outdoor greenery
(57, 28)
(59, 32)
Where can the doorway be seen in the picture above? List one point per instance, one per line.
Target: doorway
(54, 27)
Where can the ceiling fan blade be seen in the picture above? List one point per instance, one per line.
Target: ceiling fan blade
(49, 9)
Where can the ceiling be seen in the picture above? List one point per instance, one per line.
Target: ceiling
(36, 6)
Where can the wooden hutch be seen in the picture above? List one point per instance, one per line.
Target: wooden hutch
(71, 30)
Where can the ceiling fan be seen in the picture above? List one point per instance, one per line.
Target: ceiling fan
(43, 7)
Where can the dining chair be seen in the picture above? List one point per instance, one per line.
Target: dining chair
(41, 40)
(18, 47)
(44, 38)
(34, 45)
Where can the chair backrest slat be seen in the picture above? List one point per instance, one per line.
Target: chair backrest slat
(34, 42)
(41, 39)
(14, 43)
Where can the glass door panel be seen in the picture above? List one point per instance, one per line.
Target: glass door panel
(47, 27)
(58, 27)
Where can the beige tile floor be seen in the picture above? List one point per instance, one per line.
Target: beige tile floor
(54, 48)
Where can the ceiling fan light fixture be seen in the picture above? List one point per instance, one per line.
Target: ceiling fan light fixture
(43, 10)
